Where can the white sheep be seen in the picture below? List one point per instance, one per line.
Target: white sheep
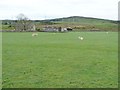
(34, 34)
(81, 38)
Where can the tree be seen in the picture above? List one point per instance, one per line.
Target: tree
(22, 17)
(24, 24)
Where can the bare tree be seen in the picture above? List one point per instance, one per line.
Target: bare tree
(24, 24)
(22, 17)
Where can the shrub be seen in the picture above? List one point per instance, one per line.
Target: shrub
(38, 29)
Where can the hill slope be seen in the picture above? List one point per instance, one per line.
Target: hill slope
(76, 22)
(85, 23)
(80, 19)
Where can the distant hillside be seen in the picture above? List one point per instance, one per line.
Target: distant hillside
(80, 19)
(76, 22)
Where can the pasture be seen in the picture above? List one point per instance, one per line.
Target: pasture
(60, 60)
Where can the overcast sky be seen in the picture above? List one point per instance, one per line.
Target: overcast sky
(47, 9)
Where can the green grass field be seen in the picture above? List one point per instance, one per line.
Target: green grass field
(60, 60)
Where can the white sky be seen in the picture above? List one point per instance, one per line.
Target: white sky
(47, 9)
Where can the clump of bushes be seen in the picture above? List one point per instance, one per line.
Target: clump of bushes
(38, 29)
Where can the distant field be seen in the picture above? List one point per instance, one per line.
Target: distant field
(60, 60)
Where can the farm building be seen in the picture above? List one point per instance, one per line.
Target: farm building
(56, 29)
(51, 29)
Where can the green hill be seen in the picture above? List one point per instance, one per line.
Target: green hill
(80, 19)
(78, 23)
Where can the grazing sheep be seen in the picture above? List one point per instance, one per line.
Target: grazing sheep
(81, 38)
(34, 34)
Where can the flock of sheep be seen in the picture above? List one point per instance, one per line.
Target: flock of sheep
(36, 34)
(79, 37)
